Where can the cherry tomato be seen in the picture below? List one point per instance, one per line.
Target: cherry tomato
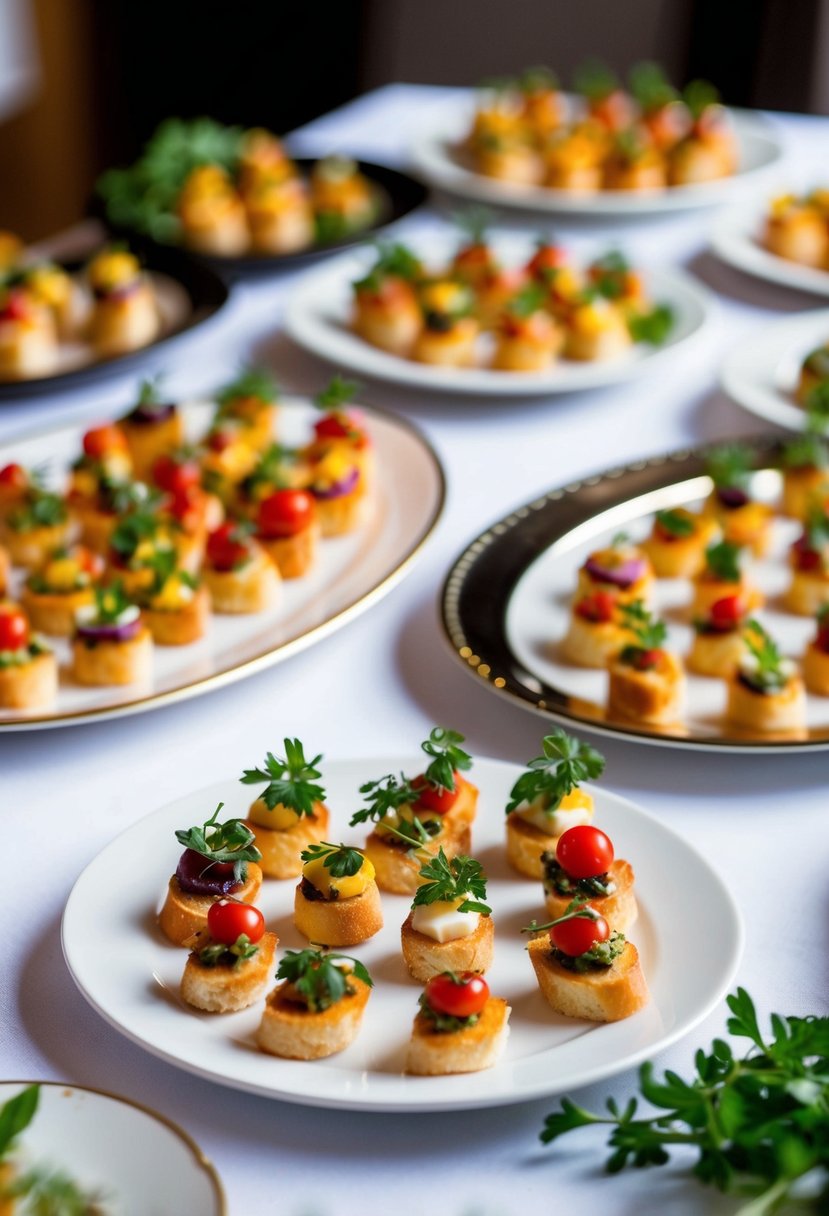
(284, 513)
(90, 563)
(176, 475)
(226, 547)
(546, 258)
(14, 628)
(185, 505)
(14, 476)
(227, 921)
(16, 307)
(332, 426)
(220, 439)
(599, 607)
(457, 1000)
(104, 439)
(727, 612)
(575, 936)
(584, 851)
(806, 558)
(435, 798)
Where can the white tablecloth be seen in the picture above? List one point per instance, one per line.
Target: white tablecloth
(374, 688)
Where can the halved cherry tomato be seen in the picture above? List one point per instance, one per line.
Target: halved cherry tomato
(436, 798)
(227, 921)
(226, 547)
(599, 607)
(102, 440)
(457, 996)
(176, 475)
(14, 628)
(584, 851)
(575, 936)
(284, 513)
(727, 612)
(332, 426)
(14, 476)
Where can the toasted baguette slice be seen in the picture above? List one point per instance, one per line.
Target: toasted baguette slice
(607, 995)
(293, 556)
(816, 670)
(337, 516)
(654, 696)
(54, 612)
(106, 663)
(281, 847)
(29, 685)
(397, 872)
(339, 922)
(184, 914)
(289, 1029)
(254, 588)
(591, 643)
(767, 711)
(807, 593)
(228, 987)
(619, 909)
(181, 626)
(434, 1053)
(716, 654)
(426, 957)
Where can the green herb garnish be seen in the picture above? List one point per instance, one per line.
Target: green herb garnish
(474, 222)
(769, 674)
(393, 261)
(255, 382)
(340, 859)
(729, 466)
(758, 1122)
(290, 782)
(318, 979)
(649, 632)
(16, 1115)
(450, 880)
(537, 80)
(595, 81)
(42, 509)
(723, 561)
(650, 87)
(337, 393)
(529, 300)
(231, 841)
(807, 451)
(442, 744)
(652, 327)
(389, 795)
(565, 763)
(817, 403)
(111, 602)
(698, 95)
(675, 523)
(217, 952)
(557, 879)
(129, 532)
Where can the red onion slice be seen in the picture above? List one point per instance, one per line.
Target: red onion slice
(624, 575)
(339, 488)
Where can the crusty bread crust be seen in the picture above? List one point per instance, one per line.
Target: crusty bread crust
(293, 555)
(292, 1031)
(52, 612)
(339, 922)
(181, 626)
(337, 516)
(619, 909)
(108, 663)
(433, 1053)
(597, 347)
(757, 711)
(224, 989)
(654, 696)
(426, 957)
(254, 588)
(520, 354)
(816, 670)
(281, 848)
(397, 872)
(30, 685)
(716, 654)
(392, 330)
(608, 995)
(184, 914)
(525, 844)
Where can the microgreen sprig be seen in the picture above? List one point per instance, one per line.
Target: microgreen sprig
(241, 950)
(318, 979)
(393, 261)
(231, 841)
(449, 880)
(577, 909)
(564, 764)
(729, 466)
(340, 859)
(649, 632)
(255, 382)
(290, 782)
(723, 561)
(337, 393)
(676, 523)
(769, 673)
(653, 326)
(448, 757)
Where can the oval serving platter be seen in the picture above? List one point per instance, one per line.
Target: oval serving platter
(506, 599)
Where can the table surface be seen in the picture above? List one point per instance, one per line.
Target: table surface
(384, 680)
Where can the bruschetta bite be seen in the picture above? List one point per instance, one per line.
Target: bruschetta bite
(449, 927)
(290, 812)
(584, 865)
(766, 694)
(742, 519)
(237, 572)
(28, 667)
(111, 643)
(460, 1026)
(318, 1008)
(647, 682)
(229, 961)
(337, 902)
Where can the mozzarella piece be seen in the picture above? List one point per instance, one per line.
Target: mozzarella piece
(443, 922)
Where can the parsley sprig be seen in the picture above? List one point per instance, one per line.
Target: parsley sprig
(231, 841)
(111, 602)
(449, 880)
(393, 261)
(769, 674)
(653, 326)
(729, 466)
(337, 393)
(527, 301)
(759, 1122)
(648, 631)
(474, 222)
(44, 1190)
(340, 859)
(723, 561)
(290, 782)
(318, 979)
(251, 382)
(42, 509)
(565, 763)
(16, 1115)
(676, 523)
(448, 757)
(388, 795)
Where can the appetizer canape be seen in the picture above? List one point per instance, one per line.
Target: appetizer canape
(28, 668)
(584, 866)
(386, 309)
(124, 313)
(52, 595)
(742, 520)
(475, 262)
(543, 105)
(343, 199)
(449, 328)
(766, 693)
(277, 468)
(290, 812)
(336, 484)
(152, 427)
(596, 330)
(317, 1009)
(806, 471)
(139, 540)
(211, 214)
(101, 487)
(279, 214)
(111, 644)
(226, 458)
(342, 429)
(663, 113)
(620, 570)
(176, 606)
(337, 902)
(709, 150)
(609, 106)
(808, 591)
(414, 819)
(586, 970)
(460, 1027)
(288, 529)
(503, 146)
(251, 400)
(647, 683)
(718, 645)
(219, 861)
(816, 657)
(36, 526)
(677, 543)
(634, 163)
(238, 574)
(595, 632)
(230, 961)
(450, 927)
(28, 337)
(527, 337)
(722, 577)
(547, 799)
(796, 230)
(57, 290)
(574, 159)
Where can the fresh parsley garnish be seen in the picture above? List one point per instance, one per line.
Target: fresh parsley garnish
(652, 327)
(383, 796)
(393, 261)
(289, 782)
(723, 561)
(565, 763)
(698, 95)
(675, 523)
(557, 879)
(255, 382)
(318, 979)
(474, 222)
(729, 466)
(42, 509)
(448, 757)
(340, 859)
(648, 631)
(769, 674)
(129, 532)
(110, 603)
(595, 81)
(337, 393)
(650, 87)
(16, 1115)
(217, 952)
(529, 300)
(449, 880)
(231, 841)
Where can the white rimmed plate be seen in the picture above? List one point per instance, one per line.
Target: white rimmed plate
(689, 935)
(319, 311)
(735, 240)
(138, 1162)
(762, 372)
(438, 157)
(352, 573)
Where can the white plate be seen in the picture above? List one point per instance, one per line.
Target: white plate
(139, 1162)
(319, 312)
(689, 934)
(762, 372)
(435, 155)
(735, 240)
(353, 572)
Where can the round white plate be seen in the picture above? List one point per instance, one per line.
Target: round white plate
(319, 312)
(689, 935)
(137, 1161)
(436, 156)
(352, 573)
(762, 372)
(735, 240)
